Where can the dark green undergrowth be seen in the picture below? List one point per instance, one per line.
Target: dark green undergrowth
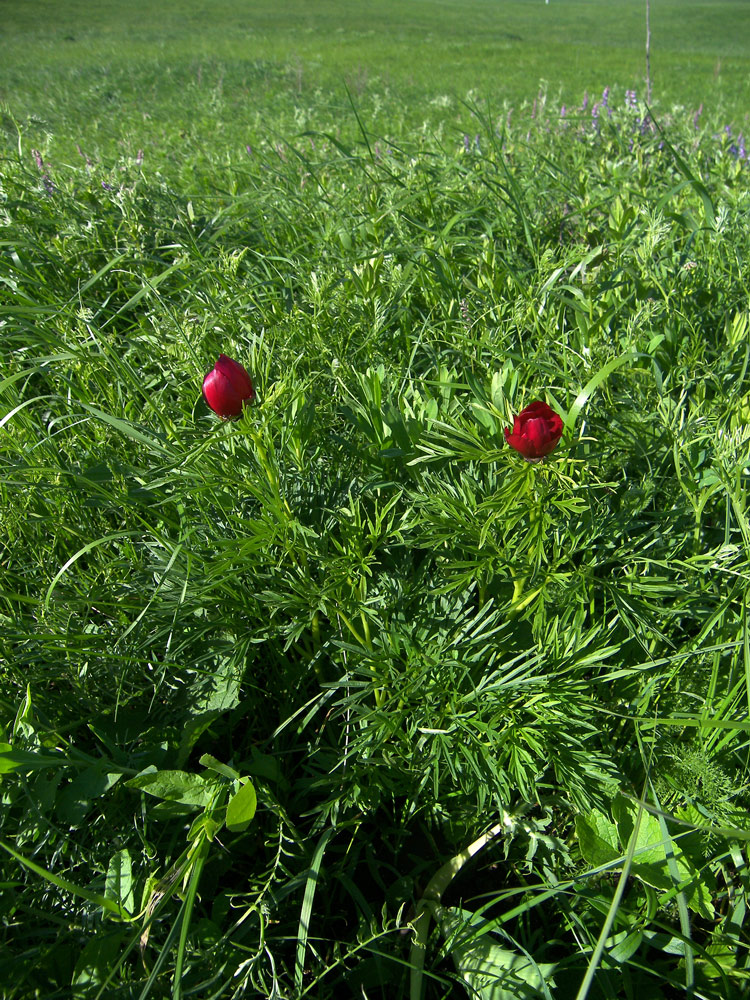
(357, 600)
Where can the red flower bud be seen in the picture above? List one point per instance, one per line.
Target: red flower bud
(227, 388)
(536, 431)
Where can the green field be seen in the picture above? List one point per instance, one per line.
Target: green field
(344, 698)
(111, 71)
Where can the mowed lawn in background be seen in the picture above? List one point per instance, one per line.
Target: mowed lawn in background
(101, 70)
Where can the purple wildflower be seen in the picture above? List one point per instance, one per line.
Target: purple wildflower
(467, 143)
(107, 187)
(49, 185)
(631, 99)
(139, 157)
(696, 116)
(249, 150)
(563, 111)
(585, 100)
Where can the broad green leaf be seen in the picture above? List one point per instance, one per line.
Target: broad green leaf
(75, 800)
(119, 883)
(625, 945)
(216, 765)
(241, 808)
(263, 765)
(206, 824)
(95, 963)
(176, 786)
(650, 863)
(210, 697)
(725, 956)
(12, 759)
(649, 845)
(597, 838)
(489, 970)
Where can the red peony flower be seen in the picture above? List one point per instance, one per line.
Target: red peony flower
(536, 431)
(227, 388)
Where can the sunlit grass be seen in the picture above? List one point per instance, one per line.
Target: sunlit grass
(494, 713)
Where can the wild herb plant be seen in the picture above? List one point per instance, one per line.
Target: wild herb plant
(344, 697)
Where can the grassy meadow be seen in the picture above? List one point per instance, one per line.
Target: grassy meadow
(344, 698)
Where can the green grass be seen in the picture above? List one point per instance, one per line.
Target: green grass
(117, 70)
(344, 698)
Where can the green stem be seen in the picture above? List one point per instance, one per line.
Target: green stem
(536, 504)
(379, 693)
(351, 628)
(431, 899)
(315, 632)
(518, 586)
(201, 853)
(315, 629)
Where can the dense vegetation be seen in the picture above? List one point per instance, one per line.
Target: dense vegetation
(345, 698)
